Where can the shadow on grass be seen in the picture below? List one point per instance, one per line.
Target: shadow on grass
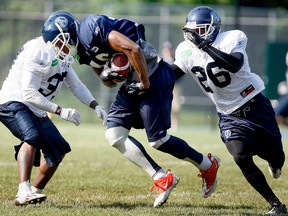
(116, 205)
(210, 209)
(144, 208)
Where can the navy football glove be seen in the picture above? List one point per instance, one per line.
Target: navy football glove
(110, 74)
(196, 39)
(134, 88)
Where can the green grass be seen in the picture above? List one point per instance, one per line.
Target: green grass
(94, 179)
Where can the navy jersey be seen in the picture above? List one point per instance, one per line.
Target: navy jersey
(93, 36)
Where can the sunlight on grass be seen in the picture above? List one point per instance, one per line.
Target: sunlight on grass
(94, 179)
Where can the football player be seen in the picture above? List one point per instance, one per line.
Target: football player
(41, 67)
(143, 100)
(281, 110)
(219, 64)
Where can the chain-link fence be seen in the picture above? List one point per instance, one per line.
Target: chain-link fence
(162, 22)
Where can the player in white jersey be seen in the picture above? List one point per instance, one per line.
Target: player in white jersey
(42, 65)
(219, 64)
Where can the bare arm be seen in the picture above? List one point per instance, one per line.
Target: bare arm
(121, 43)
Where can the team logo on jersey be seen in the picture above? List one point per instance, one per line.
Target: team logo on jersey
(247, 91)
(61, 21)
(54, 62)
(186, 53)
(240, 43)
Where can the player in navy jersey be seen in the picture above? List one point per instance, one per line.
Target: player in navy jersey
(36, 76)
(143, 100)
(219, 64)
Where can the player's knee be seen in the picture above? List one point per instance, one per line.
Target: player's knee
(238, 159)
(242, 160)
(156, 144)
(116, 135)
(236, 149)
(33, 137)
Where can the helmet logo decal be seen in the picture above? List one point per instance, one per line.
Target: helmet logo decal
(191, 25)
(62, 22)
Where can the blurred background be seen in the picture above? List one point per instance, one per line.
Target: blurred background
(265, 23)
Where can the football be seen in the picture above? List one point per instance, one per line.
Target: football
(120, 62)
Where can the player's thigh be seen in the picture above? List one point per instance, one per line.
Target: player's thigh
(155, 106)
(22, 123)
(124, 111)
(240, 150)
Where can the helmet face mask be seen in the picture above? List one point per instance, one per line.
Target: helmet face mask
(61, 46)
(205, 21)
(60, 32)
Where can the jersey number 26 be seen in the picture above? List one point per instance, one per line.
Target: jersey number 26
(219, 78)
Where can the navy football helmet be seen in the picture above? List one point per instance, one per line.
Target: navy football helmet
(62, 27)
(205, 21)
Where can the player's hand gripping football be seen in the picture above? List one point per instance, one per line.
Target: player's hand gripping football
(71, 115)
(135, 88)
(110, 74)
(101, 113)
(196, 39)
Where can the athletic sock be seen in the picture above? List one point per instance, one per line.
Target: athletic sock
(24, 188)
(181, 150)
(36, 190)
(160, 174)
(258, 181)
(133, 150)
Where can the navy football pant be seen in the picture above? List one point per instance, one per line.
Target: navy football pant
(38, 132)
(252, 130)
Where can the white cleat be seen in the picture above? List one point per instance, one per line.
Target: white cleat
(275, 173)
(30, 198)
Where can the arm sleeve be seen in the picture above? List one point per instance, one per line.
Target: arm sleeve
(177, 71)
(78, 88)
(231, 62)
(37, 64)
(30, 85)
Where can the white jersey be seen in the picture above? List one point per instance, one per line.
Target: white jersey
(36, 77)
(227, 90)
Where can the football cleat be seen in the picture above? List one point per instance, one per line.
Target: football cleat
(164, 187)
(275, 173)
(29, 198)
(209, 176)
(277, 210)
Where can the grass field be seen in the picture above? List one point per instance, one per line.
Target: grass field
(94, 179)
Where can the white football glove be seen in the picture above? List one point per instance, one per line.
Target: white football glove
(101, 113)
(110, 74)
(71, 115)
